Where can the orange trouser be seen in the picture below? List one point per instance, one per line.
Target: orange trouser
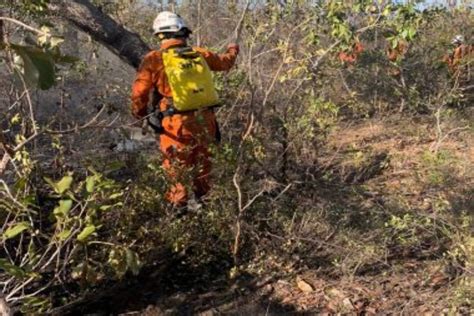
(186, 157)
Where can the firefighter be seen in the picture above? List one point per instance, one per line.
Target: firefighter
(460, 68)
(460, 53)
(180, 74)
(395, 56)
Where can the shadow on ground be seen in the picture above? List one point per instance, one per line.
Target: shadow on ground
(177, 289)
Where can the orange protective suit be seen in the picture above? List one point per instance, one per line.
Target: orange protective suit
(187, 136)
(351, 57)
(395, 55)
(459, 57)
(460, 64)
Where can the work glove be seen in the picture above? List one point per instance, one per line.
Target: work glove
(233, 46)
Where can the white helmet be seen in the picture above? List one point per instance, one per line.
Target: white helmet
(458, 39)
(168, 22)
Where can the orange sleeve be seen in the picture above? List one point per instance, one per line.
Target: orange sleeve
(218, 62)
(448, 59)
(142, 86)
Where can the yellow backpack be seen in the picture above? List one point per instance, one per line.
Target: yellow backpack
(190, 79)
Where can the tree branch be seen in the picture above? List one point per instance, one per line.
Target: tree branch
(103, 29)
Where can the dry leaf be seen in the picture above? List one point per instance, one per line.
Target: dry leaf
(304, 286)
(348, 303)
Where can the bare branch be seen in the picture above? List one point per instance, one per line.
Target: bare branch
(23, 25)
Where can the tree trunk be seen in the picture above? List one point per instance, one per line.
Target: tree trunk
(103, 29)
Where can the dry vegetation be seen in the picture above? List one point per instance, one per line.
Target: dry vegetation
(337, 188)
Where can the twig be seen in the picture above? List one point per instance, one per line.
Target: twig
(30, 103)
(435, 146)
(26, 26)
(242, 209)
(9, 154)
(10, 195)
(283, 192)
(238, 29)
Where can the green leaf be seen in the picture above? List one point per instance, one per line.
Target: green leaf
(64, 234)
(86, 232)
(395, 43)
(33, 254)
(50, 182)
(63, 209)
(16, 119)
(90, 184)
(31, 305)
(21, 184)
(16, 230)
(38, 66)
(107, 207)
(115, 195)
(404, 34)
(411, 33)
(56, 40)
(64, 184)
(12, 269)
(115, 165)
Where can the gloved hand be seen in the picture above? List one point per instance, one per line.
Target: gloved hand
(233, 46)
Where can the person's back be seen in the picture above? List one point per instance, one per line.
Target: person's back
(186, 135)
(460, 60)
(460, 64)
